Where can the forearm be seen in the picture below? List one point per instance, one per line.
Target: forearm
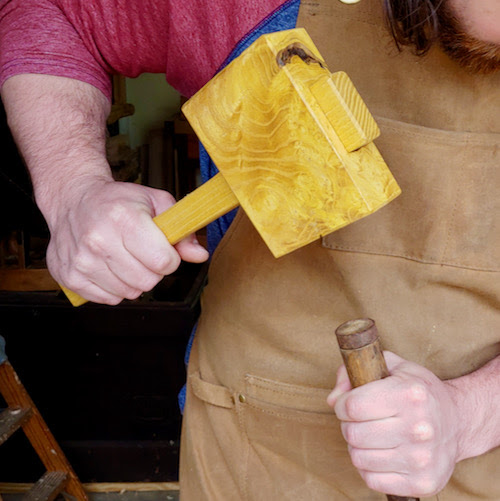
(104, 243)
(477, 398)
(59, 126)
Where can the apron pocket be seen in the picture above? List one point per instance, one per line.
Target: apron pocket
(214, 448)
(293, 399)
(295, 448)
(447, 213)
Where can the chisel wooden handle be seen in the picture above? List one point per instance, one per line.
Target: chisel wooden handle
(197, 209)
(361, 350)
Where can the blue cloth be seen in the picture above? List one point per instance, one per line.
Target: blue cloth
(283, 18)
(3, 355)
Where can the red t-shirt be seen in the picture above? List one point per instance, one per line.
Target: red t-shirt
(88, 40)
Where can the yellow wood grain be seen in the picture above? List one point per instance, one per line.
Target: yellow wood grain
(207, 203)
(294, 145)
(272, 130)
(347, 113)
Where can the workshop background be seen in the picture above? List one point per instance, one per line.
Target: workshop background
(105, 379)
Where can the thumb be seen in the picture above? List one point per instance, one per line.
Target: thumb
(342, 386)
(191, 250)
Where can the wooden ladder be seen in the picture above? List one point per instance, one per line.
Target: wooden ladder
(21, 412)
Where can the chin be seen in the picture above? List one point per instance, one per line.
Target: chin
(478, 57)
(473, 54)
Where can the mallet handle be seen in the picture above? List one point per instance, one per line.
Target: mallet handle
(208, 202)
(361, 350)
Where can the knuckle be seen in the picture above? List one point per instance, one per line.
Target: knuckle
(426, 485)
(82, 264)
(166, 263)
(94, 240)
(422, 459)
(417, 392)
(146, 284)
(118, 213)
(423, 431)
(121, 292)
(134, 294)
(349, 433)
(373, 482)
(162, 261)
(112, 301)
(357, 458)
(352, 407)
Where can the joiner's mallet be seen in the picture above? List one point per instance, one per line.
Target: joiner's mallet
(293, 143)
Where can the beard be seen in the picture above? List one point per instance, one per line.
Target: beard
(469, 52)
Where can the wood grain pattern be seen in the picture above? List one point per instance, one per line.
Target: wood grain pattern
(268, 128)
(293, 143)
(207, 203)
(48, 487)
(37, 431)
(27, 279)
(11, 420)
(100, 487)
(347, 113)
(361, 351)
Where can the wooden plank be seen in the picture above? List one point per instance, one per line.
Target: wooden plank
(119, 89)
(120, 108)
(132, 487)
(104, 487)
(27, 280)
(48, 487)
(11, 420)
(37, 431)
(120, 111)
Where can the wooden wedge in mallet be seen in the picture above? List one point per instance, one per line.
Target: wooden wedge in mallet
(293, 144)
(363, 357)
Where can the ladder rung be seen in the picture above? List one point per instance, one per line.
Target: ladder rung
(50, 485)
(12, 419)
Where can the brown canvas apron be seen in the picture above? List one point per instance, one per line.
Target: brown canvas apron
(426, 268)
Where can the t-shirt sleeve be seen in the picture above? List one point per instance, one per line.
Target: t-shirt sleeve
(202, 35)
(36, 37)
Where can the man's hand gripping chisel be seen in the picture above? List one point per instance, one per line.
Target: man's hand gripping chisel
(361, 351)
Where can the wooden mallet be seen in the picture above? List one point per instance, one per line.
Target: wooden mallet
(293, 144)
(361, 351)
